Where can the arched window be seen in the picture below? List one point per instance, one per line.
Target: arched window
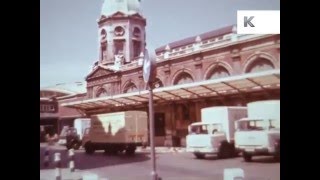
(136, 32)
(258, 65)
(157, 83)
(130, 88)
(183, 78)
(102, 92)
(218, 72)
(103, 34)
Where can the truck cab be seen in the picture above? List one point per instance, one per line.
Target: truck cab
(257, 136)
(73, 140)
(85, 137)
(204, 138)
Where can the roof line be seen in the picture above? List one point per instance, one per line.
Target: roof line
(191, 39)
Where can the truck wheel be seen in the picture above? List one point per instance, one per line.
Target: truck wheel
(199, 155)
(234, 152)
(130, 150)
(107, 151)
(225, 150)
(277, 154)
(89, 148)
(68, 146)
(237, 152)
(247, 157)
(114, 151)
(76, 145)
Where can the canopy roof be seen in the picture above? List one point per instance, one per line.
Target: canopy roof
(251, 82)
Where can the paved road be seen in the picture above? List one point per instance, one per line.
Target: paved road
(170, 166)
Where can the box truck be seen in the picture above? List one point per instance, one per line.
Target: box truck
(259, 133)
(215, 133)
(117, 132)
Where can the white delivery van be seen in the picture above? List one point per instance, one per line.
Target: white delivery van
(259, 134)
(117, 132)
(215, 133)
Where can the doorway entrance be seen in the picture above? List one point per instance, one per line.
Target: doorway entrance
(159, 123)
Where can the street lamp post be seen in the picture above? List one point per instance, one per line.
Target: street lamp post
(151, 122)
(149, 71)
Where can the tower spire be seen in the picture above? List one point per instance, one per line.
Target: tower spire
(127, 7)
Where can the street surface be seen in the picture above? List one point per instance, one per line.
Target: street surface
(170, 166)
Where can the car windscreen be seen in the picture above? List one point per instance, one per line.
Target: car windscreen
(72, 131)
(204, 129)
(255, 125)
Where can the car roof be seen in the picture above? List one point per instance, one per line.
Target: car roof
(253, 119)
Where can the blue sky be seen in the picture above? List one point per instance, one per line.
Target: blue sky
(68, 29)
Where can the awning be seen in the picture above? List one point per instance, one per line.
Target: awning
(261, 81)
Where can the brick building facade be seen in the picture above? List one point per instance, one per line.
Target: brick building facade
(116, 82)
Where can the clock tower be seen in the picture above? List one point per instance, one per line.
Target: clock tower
(121, 32)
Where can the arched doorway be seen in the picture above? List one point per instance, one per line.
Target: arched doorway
(183, 78)
(102, 92)
(218, 72)
(131, 87)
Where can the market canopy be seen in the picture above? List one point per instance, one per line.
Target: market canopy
(260, 81)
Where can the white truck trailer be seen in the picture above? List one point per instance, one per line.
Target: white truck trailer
(259, 133)
(117, 132)
(215, 133)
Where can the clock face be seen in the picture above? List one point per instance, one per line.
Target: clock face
(119, 31)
